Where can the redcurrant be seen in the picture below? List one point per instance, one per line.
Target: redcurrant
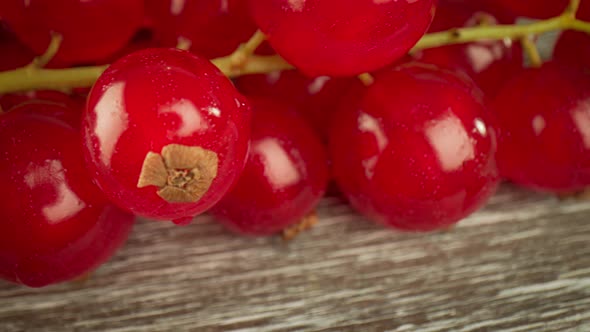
(11, 100)
(214, 28)
(166, 133)
(541, 9)
(316, 99)
(91, 29)
(573, 49)
(340, 38)
(285, 176)
(55, 225)
(489, 63)
(143, 39)
(13, 54)
(544, 119)
(415, 150)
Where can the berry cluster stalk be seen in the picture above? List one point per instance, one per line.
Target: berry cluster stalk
(243, 62)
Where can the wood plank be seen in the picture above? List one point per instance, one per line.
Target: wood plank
(521, 264)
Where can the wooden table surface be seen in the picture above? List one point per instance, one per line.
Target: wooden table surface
(521, 264)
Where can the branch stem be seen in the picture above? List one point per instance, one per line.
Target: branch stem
(572, 8)
(531, 50)
(240, 56)
(243, 62)
(498, 32)
(42, 60)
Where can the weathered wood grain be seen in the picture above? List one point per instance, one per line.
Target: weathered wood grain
(521, 264)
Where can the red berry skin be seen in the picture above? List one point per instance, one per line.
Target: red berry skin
(284, 178)
(8, 101)
(540, 9)
(488, 63)
(143, 39)
(573, 49)
(342, 37)
(91, 29)
(152, 99)
(414, 151)
(215, 28)
(13, 54)
(55, 225)
(316, 99)
(544, 119)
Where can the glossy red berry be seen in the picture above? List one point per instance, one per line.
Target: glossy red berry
(214, 28)
(342, 38)
(415, 150)
(285, 176)
(544, 119)
(316, 99)
(166, 133)
(91, 29)
(55, 225)
(489, 63)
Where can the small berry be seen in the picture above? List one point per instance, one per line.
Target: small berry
(342, 38)
(91, 29)
(213, 28)
(541, 9)
(488, 63)
(573, 49)
(11, 100)
(415, 150)
(544, 119)
(166, 134)
(316, 99)
(285, 176)
(55, 225)
(13, 54)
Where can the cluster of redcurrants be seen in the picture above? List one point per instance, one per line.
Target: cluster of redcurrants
(163, 134)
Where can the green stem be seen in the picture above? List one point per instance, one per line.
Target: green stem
(572, 8)
(42, 60)
(254, 64)
(532, 52)
(30, 78)
(246, 50)
(34, 78)
(497, 32)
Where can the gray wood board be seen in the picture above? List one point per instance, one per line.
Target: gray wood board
(521, 264)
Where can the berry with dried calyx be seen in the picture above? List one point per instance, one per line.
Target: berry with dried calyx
(166, 134)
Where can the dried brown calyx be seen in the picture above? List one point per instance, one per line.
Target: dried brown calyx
(306, 223)
(182, 173)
